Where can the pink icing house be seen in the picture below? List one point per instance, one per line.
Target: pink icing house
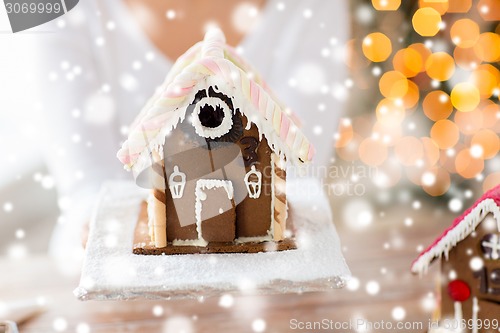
(470, 266)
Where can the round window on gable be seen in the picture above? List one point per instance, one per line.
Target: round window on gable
(211, 117)
(212, 114)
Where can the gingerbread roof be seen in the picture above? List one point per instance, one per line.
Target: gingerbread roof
(212, 62)
(461, 228)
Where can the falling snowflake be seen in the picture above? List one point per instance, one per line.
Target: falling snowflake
(408, 221)
(372, 287)
(245, 16)
(455, 205)
(60, 324)
(398, 313)
(158, 310)
(226, 301)
(170, 14)
(48, 182)
(110, 25)
(259, 325)
(308, 13)
(353, 284)
(136, 65)
(476, 263)
(20, 233)
(82, 328)
(8, 207)
(100, 41)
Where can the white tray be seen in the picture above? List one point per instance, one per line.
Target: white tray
(111, 271)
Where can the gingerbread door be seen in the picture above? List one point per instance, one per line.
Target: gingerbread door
(215, 210)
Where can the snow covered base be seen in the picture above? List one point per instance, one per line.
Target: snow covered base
(111, 271)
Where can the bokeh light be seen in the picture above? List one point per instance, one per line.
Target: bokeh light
(422, 50)
(426, 21)
(441, 184)
(431, 151)
(377, 47)
(409, 150)
(437, 105)
(408, 62)
(437, 120)
(462, 6)
(464, 32)
(485, 78)
(390, 112)
(491, 116)
(467, 165)
(488, 141)
(445, 133)
(469, 122)
(412, 96)
(465, 96)
(440, 66)
(487, 47)
(386, 4)
(440, 6)
(466, 58)
(372, 152)
(393, 85)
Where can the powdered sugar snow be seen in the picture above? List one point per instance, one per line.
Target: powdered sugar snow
(112, 271)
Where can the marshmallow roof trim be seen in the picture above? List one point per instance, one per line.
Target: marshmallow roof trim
(203, 64)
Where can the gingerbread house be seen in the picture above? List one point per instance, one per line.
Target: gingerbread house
(211, 144)
(470, 266)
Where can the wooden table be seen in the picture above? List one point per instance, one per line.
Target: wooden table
(376, 254)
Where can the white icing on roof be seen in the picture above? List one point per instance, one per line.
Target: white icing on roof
(461, 228)
(210, 63)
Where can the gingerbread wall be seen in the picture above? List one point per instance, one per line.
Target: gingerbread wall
(472, 263)
(224, 160)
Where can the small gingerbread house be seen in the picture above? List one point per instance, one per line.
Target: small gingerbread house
(470, 279)
(212, 144)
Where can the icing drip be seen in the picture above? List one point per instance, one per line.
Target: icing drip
(457, 233)
(193, 71)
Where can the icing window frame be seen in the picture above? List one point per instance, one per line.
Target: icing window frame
(212, 132)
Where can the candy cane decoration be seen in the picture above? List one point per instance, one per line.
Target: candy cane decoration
(280, 205)
(475, 311)
(458, 314)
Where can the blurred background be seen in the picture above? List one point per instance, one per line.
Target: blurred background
(417, 143)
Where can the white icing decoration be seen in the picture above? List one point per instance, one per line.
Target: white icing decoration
(177, 113)
(202, 184)
(475, 311)
(468, 224)
(177, 186)
(458, 312)
(253, 186)
(254, 239)
(494, 245)
(217, 132)
(189, 242)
